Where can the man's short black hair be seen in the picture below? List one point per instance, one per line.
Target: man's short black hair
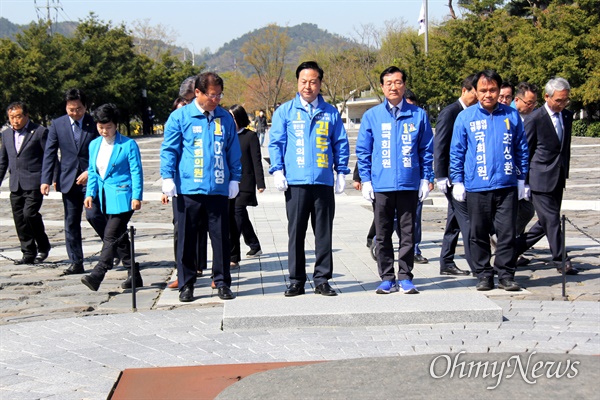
(525, 87)
(18, 104)
(410, 95)
(469, 82)
(240, 115)
(490, 75)
(507, 84)
(207, 79)
(392, 70)
(107, 113)
(309, 65)
(76, 94)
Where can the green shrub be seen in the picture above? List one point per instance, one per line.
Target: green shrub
(593, 129)
(579, 128)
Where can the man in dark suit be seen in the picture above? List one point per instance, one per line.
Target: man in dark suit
(72, 134)
(457, 220)
(21, 153)
(549, 137)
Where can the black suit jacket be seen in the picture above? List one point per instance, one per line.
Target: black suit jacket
(443, 136)
(25, 166)
(73, 160)
(252, 170)
(548, 158)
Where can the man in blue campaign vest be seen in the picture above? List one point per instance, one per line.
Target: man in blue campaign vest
(395, 156)
(307, 142)
(200, 166)
(488, 165)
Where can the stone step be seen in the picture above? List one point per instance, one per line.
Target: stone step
(361, 309)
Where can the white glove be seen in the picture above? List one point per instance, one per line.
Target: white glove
(520, 189)
(527, 193)
(280, 181)
(340, 183)
(443, 184)
(168, 187)
(458, 191)
(234, 189)
(423, 190)
(367, 191)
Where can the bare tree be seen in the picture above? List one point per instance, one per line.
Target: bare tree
(266, 52)
(152, 40)
(368, 41)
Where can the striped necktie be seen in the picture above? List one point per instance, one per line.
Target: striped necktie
(395, 112)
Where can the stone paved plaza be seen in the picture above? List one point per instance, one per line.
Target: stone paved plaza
(59, 340)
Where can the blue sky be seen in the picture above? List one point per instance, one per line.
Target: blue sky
(199, 24)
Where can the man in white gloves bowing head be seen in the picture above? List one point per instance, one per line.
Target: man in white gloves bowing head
(395, 156)
(200, 165)
(488, 165)
(308, 142)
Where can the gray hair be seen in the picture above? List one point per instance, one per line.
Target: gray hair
(187, 87)
(555, 84)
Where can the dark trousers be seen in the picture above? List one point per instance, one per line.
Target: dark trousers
(245, 228)
(201, 243)
(192, 212)
(525, 212)
(495, 208)
(402, 204)
(29, 225)
(418, 232)
(457, 222)
(116, 240)
(317, 203)
(234, 234)
(547, 206)
(73, 206)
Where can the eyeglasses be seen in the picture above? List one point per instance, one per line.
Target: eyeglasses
(214, 96)
(507, 97)
(527, 103)
(389, 84)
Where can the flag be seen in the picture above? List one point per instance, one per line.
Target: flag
(422, 19)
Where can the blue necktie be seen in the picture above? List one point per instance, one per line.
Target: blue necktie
(395, 112)
(76, 133)
(310, 109)
(558, 126)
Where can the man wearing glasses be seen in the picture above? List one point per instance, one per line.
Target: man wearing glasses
(526, 98)
(506, 93)
(549, 137)
(200, 163)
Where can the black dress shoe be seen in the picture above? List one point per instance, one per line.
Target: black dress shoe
(74, 269)
(522, 261)
(419, 259)
(295, 289)
(91, 282)
(569, 268)
(41, 256)
(509, 285)
(187, 293)
(225, 293)
(116, 261)
(325, 289)
(485, 284)
(127, 284)
(454, 270)
(25, 260)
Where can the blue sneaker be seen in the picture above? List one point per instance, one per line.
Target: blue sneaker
(387, 287)
(408, 287)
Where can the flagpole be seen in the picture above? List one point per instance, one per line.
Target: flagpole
(426, 28)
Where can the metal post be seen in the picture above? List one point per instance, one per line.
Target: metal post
(564, 259)
(133, 267)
